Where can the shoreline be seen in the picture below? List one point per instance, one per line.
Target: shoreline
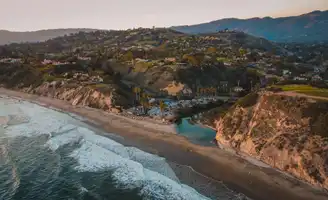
(258, 183)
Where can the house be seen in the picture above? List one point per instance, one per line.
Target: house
(308, 74)
(316, 78)
(16, 60)
(59, 63)
(237, 89)
(84, 58)
(170, 60)
(138, 60)
(316, 70)
(286, 72)
(251, 65)
(298, 78)
(11, 60)
(46, 62)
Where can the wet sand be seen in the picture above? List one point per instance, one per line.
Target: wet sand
(258, 183)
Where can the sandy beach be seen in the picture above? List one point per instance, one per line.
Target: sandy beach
(255, 181)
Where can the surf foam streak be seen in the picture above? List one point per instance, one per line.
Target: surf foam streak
(131, 167)
(130, 174)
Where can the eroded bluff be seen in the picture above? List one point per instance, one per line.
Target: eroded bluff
(287, 132)
(110, 97)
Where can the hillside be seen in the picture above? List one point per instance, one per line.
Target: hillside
(7, 37)
(154, 59)
(285, 130)
(310, 27)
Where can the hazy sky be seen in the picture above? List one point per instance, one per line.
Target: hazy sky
(23, 15)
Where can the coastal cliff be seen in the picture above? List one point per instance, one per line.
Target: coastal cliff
(285, 131)
(78, 90)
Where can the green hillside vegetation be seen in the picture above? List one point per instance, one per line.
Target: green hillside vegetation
(305, 89)
(150, 58)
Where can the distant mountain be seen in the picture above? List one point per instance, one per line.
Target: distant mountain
(310, 27)
(7, 37)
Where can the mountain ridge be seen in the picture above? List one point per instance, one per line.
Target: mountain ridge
(309, 27)
(7, 37)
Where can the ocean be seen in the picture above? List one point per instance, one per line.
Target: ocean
(47, 154)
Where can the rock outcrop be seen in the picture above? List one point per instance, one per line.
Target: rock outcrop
(287, 132)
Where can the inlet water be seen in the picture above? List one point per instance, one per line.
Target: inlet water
(196, 133)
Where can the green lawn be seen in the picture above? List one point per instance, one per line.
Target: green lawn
(305, 89)
(223, 59)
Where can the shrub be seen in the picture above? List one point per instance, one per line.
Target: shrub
(48, 78)
(248, 100)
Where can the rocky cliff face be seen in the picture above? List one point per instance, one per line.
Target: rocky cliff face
(289, 133)
(109, 97)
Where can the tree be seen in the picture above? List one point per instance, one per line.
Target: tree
(191, 60)
(128, 56)
(162, 106)
(242, 51)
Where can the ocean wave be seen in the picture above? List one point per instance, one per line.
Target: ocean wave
(75, 135)
(130, 174)
(131, 168)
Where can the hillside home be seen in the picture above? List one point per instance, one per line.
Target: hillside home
(60, 63)
(286, 72)
(11, 60)
(138, 60)
(316, 78)
(237, 89)
(170, 60)
(298, 78)
(84, 58)
(46, 62)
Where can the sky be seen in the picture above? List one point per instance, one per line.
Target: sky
(30, 15)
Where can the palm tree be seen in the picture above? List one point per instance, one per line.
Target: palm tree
(162, 106)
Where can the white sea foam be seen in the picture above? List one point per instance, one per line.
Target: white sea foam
(131, 167)
(130, 174)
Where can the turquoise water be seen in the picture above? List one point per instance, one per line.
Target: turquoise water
(196, 133)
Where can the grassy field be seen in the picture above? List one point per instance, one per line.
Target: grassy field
(305, 89)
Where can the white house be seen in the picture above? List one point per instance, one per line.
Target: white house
(297, 78)
(286, 72)
(11, 60)
(84, 58)
(237, 89)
